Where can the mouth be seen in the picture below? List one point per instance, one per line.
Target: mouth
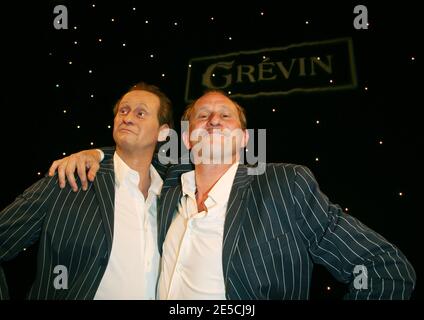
(215, 132)
(126, 130)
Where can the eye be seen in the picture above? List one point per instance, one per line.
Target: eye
(141, 114)
(202, 116)
(123, 110)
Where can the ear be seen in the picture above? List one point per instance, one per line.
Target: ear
(163, 132)
(186, 139)
(245, 139)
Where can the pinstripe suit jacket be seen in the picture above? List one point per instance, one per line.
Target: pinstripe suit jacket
(75, 230)
(279, 224)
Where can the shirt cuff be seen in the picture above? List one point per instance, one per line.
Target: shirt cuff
(102, 155)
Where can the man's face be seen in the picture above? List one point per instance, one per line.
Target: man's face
(215, 128)
(136, 125)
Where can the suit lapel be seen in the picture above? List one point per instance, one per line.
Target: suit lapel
(167, 206)
(168, 200)
(235, 215)
(104, 186)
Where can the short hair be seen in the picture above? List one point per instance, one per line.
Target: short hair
(240, 110)
(165, 104)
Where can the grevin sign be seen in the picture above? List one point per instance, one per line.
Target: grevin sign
(305, 67)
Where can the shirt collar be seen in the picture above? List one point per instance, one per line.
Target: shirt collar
(188, 184)
(124, 173)
(219, 193)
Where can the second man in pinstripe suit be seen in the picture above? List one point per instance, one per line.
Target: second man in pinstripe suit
(101, 243)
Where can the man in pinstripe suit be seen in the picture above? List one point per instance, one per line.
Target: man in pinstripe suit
(225, 234)
(102, 243)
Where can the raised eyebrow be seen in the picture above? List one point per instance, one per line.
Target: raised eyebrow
(227, 108)
(143, 106)
(139, 105)
(204, 108)
(123, 104)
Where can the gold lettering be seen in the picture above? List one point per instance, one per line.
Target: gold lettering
(302, 67)
(326, 67)
(207, 76)
(266, 67)
(248, 72)
(283, 69)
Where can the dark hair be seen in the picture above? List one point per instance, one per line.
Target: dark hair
(165, 105)
(241, 112)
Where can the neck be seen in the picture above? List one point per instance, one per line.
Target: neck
(140, 162)
(207, 175)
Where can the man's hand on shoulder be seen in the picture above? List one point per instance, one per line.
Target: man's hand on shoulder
(81, 162)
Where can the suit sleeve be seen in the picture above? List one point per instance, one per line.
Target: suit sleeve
(108, 152)
(354, 254)
(21, 223)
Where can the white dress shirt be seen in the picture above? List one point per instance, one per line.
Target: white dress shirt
(192, 251)
(133, 267)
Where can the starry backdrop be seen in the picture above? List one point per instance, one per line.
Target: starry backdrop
(363, 144)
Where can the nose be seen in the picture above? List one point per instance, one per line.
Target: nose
(214, 119)
(128, 118)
